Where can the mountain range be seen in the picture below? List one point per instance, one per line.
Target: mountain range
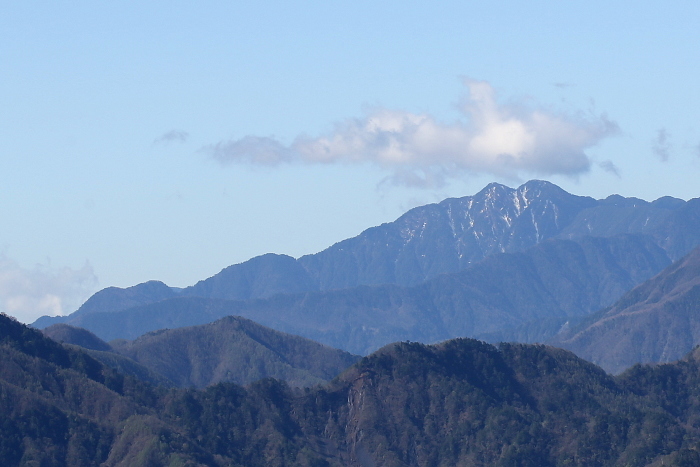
(547, 285)
(461, 402)
(157, 375)
(432, 240)
(503, 265)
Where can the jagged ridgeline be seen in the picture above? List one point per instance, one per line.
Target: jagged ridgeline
(502, 265)
(461, 402)
(436, 239)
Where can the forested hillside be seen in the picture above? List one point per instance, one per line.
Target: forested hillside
(462, 402)
(232, 349)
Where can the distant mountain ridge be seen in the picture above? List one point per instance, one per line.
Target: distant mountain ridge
(550, 283)
(430, 240)
(658, 321)
(448, 236)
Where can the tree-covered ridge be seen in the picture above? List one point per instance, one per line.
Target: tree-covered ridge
(58, 405)
(231, 349)
(235, 349)
(462, 402)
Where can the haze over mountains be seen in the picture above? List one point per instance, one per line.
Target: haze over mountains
(504, 264)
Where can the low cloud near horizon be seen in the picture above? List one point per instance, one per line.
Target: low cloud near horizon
(28, 294)
(499, 139)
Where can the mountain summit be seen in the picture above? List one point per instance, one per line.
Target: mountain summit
(448, 236)
(451, 237)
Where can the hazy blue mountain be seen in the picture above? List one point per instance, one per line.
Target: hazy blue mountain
(658, 321)
(115, 299)
(448, 236)
(673, 223)
(435, 239)
(260, 277)
(555, 280)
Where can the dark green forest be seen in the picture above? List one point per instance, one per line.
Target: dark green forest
(461, 402)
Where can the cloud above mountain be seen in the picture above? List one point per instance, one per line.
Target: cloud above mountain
(28, 294)
(492, 137)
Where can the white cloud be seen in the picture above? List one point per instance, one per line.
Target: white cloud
(28, 294)
(492, 138)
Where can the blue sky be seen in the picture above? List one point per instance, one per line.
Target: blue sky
(172, 139)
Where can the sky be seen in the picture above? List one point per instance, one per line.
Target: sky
(168, 140)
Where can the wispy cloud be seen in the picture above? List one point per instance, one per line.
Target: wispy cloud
(252, 149)
(177, 136)
(28, 294)
(495, 138)
(609, 167)
(661, 145)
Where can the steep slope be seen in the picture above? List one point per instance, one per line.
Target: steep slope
(553, 281)
(463, 402)
(658, 321)
(234, 349)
